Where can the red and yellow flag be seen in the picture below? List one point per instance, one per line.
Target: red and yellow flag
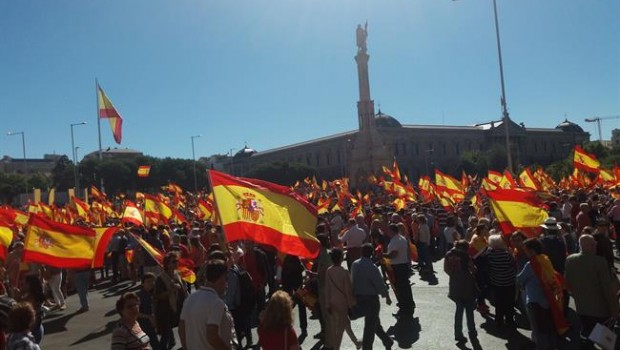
(585, 161)
(448, 184)
(132, 214)
(102, 239)
(144, 170)
(96, 194)
(517, 210)
(6, 237)
(58, 245)
(107, 111)
(265, 213)
(527, 180)
(155, 210)
(13, 216)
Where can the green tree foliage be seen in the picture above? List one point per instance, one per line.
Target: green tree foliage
(62, 174)
(282, 173)
(11, 185)
(473, 162)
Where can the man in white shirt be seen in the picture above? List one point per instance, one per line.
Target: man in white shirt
(353, 238)
(398, 253)
(206, 323)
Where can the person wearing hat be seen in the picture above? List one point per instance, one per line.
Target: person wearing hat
(553, 244)
(603, 243)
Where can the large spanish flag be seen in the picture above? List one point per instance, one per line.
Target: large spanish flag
(13, 216)
(156, 211)
(527, 180)
(58, 245)
(107, 111)
(585, 161)
(517, 210)
(448, 184)
(265, 213)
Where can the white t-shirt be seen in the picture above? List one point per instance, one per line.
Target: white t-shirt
(354, 237)
(448, 233)
(203, 308)
(399, 243)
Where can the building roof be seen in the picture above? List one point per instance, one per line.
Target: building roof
(386, 121)
(309, 142)
(569, 126)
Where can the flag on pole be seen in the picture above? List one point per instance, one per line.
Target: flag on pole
(585, 161)
(265, 213)
(144, 170)
(132, 214)
(107, 111)
(58, 245)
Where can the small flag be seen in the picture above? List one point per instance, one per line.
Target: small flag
(144, 170)
(585, 161)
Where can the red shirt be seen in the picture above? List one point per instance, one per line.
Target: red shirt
(277, 339)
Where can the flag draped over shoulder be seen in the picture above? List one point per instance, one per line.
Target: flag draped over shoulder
(552, 283)
(107, 111)
(585, 161)
(58, 245)
(517, 210)
(265, 213)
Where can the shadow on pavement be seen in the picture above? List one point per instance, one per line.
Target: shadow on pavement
(106, 331)
(117, 290)
(53, 324)
(406, 331)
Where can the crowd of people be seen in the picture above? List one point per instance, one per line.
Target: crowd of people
(242, 285)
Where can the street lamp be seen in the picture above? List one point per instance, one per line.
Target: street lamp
(232, 164)
(74, 149)
(194, 161)
(505, 116)
(25, 168)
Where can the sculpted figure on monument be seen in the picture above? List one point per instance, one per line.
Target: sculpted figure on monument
(362, 34)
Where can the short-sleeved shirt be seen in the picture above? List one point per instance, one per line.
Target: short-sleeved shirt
(197, 319)
(275, 339)
(354, 237)
(125, 338)
(399, 243)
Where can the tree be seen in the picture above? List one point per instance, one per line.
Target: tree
(11, 185)
(282, 173)
(473, 162)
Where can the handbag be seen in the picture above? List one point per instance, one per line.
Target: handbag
(603, 336)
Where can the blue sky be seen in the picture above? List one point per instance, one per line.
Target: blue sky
(272, 73)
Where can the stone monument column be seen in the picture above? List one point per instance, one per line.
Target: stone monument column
(369, 152)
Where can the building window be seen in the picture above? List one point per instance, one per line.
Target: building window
(535, 146)
(444, 149)
(308, 158)
(416, 149)
(329, 158)
(339, 157)
(395, 148)
(457, 149)
(318, 159)
(404, 148)
(544, 146)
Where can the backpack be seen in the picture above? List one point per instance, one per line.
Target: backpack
(247, 294)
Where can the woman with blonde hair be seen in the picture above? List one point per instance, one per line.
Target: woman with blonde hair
(275, 331)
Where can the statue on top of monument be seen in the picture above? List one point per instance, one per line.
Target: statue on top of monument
(362, 34)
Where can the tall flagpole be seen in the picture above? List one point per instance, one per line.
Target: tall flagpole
(97, 114)
(99, 131)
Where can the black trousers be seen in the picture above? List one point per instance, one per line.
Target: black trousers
(403, 289)
(504, 303)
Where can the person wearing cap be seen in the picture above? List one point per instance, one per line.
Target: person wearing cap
(603, 243)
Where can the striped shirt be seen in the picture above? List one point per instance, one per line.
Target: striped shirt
(502, 268)
(124, 338)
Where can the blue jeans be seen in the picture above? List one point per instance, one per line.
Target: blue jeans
(80, 281)
(468, 307)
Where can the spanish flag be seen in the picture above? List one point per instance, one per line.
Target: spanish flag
(495, 176)
(13, 216)
(585, 161)
(205, 208)
(58, 245)
(527, 180)
(156, 211)
(517, 210)
(102, 239)
(144, 170)
(132, 214)
(6, 237)
(448, 184)
(265, 213)
(107, 111)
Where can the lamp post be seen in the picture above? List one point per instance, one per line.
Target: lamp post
(232, 164)
(25, 167)
(74, 149)
(194, 162)
(505, 115)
